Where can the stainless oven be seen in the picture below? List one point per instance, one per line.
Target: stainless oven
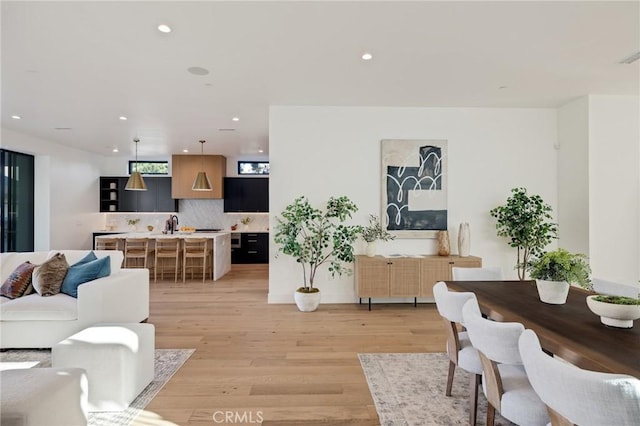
(236, 239)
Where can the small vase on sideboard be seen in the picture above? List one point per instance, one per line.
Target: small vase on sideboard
(464, 240)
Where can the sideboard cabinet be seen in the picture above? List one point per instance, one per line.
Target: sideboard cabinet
(381, 276)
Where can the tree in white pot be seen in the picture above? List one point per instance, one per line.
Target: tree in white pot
(315, 237)
(374, 232)
(555, 270)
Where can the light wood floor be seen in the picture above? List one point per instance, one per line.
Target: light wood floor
(271, 362)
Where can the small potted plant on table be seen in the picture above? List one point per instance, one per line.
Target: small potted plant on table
(374, 232)
(315, 237)
(555, 270)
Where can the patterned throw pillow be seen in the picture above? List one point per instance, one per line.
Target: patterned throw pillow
(48, 277)
(18, 284)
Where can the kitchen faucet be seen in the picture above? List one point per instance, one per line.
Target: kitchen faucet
(171, 224)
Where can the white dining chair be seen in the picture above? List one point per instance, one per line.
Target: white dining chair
(488, 273)
(577, 396)
(459, 349)
(504, 379)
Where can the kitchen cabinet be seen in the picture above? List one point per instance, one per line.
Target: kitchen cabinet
(248, 195)
(379, 276)
(254, 248)
(157, 197)
(184, 169)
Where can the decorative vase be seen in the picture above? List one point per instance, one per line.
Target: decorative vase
(444, 248)
(614, 315)
(464, 240)
(307, 302)
(371, 248)
(553, 292)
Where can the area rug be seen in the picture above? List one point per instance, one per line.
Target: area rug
(408, 390)
(167, 362)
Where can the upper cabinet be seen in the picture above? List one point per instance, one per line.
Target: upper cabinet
(249, 195)
(157, 197)
(184, 169)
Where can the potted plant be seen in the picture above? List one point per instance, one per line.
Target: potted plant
(555, 270)
(315, 237)
(615, 311)
(246, 221)
(373, 232)
(133, 223)
(526, 221)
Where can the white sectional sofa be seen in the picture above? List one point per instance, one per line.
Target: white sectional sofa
(34, 321)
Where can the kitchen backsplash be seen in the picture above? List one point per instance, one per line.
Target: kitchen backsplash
(200, 214)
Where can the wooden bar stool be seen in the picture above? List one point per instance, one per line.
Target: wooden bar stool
(194, 248)
(166, 248)
(136, 249)
(107, 244)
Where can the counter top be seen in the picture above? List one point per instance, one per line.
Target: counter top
(157, 235)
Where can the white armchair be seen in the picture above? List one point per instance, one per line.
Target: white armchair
(577, 396)
(459, 349)
(504, 380)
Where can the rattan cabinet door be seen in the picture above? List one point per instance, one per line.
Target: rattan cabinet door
(404, 277)
(372, 276)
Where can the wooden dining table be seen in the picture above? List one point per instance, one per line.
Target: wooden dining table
(570, 331)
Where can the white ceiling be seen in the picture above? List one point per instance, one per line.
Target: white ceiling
(80, 65)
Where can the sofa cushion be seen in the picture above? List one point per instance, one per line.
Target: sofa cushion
(10, 261)
(74, 256)
(80, 273)
(36, 308)
(19, 282)
(47, 278)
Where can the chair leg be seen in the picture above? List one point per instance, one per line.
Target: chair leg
(155, 271)
(452, 369)
(491, 415)
(473, 398)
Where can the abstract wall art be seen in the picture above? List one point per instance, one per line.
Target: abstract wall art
(414, 187)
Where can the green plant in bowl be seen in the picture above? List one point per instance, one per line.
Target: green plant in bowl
(561, 265)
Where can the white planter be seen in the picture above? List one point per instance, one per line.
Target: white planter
(307, 302)
(621, 316)
(553, 292)
(371, 249)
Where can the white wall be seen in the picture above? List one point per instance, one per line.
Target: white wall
(325, 151)
(573, 176)
(614, 187)
(66, 211)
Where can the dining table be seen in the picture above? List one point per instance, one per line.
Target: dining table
(570, 330)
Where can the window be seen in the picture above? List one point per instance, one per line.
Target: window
(150, 167)
(17, 192)
(253, 167)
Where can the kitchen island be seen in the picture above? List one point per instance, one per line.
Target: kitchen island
(221, 243)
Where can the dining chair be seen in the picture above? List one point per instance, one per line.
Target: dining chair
(576, 396)
(488, 273)
(166, 249)
(107, 244)
(136, 249)
(459, 349)
(504, 379)
(192, 249)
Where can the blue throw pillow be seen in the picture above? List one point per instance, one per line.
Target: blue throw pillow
(80, 273)
(88, 258)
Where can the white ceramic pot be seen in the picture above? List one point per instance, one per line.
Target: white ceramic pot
(307, 302)
(621, 316)
(553, 292)
(371, 249)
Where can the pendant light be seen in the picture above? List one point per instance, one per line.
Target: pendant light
(202, 182)
(135, 182)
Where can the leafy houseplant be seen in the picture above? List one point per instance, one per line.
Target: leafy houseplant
(526, 221)
(374, 231)
(561, 265)
(315, 237)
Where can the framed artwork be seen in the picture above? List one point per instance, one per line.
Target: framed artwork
(414, 187)
(253, 167)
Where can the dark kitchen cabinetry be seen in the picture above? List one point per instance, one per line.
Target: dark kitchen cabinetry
(248, 195)
(157, 197)
(254, 248)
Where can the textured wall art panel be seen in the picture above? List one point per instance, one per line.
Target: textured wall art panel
(414, 187)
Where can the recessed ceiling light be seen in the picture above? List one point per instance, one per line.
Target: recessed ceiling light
(115, 149)
(16, 117)
(235, 119)
(185, 150)
(123, 118)
(198, 70)
(260, 150)
(367, 56)
(164, 28)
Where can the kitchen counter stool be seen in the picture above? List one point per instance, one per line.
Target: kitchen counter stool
(193, 249)
(136, 250)
(166, 249)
